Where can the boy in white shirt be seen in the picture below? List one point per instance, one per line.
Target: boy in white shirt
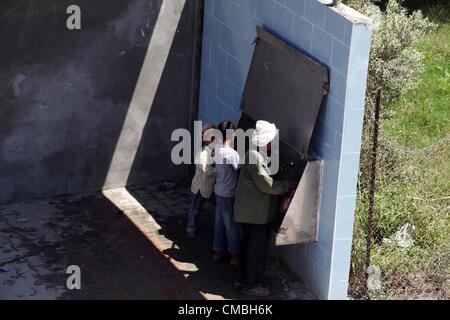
(226, 232)
(203, 182)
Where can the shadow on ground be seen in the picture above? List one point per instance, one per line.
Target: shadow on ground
(129, 244)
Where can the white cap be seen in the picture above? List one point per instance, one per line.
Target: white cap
(264, 133)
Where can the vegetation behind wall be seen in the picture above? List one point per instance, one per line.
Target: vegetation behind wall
(410, 248)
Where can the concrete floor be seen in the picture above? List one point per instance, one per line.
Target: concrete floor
(129, 244)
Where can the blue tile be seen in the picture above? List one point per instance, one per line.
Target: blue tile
(216, 109)
(226, 39)
(301, 249)
(317, 253)
(288, 254)
(328, 260)
(357, 80)
(329, 193)
(231, 115)
(206, 52)
(345, 214)
(335, 24)
(338, 85)
(227, 48)
(299, 256)
(242, 50)
(243, 23)
(361, 40)
(340, 56)
(248, 5)
(225, 91)
(313, 276)
(315, 138)
(235, 73)
(341, 260)
(209, 6)
(208, 79)
(324, 136)
(337, 146)
(304, 267)
(282, 20)
(322, 45)
(219, 60)
(334, 115)
(353, 125)
(302, 33)
(208, 120)
(320, 282)
(348, 33)
(328, 208)
(203, 101)
(298, 6)
(338, 291)
(264, 11)
(202, 116)
(348, 174)
(315, 12)
(323, 110)
(237, 96)
(326, 235)
(222, 11)
(211, 29)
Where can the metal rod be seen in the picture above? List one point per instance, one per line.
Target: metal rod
(373, 177)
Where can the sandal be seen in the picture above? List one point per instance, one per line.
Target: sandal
(258, 291)
(190, 235)
(240, 285)
(234, 261)
(218, 255)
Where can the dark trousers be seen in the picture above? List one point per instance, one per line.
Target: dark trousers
(254, 253)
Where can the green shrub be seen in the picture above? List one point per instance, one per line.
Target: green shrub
(412, 185)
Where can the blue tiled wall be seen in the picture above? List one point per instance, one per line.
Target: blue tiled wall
(342, 44)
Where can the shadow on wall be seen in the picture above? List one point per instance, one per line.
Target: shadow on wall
(64, 94)
(174, 104)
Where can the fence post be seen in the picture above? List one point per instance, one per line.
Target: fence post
(373, 177)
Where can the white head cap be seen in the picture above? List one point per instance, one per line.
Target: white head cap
(264, 133)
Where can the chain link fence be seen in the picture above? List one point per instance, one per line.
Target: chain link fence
(403, 251)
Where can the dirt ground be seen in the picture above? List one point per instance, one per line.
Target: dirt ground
(129, 244)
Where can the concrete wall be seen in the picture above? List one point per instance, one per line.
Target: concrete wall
(64, 95)
(338, 38)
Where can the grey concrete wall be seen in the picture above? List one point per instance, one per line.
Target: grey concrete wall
(64, 95)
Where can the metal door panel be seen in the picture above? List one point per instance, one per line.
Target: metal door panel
(286, 87)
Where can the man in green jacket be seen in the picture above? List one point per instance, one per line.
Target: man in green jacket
(255, 207)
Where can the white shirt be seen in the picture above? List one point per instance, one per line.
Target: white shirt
(205, 174)
(227, 165)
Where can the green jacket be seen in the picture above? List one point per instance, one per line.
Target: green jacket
(256, 200)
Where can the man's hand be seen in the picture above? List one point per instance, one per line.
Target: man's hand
(290, 185)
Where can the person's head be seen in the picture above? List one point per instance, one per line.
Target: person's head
(263, 135)
(207, 134)
(223, 127)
